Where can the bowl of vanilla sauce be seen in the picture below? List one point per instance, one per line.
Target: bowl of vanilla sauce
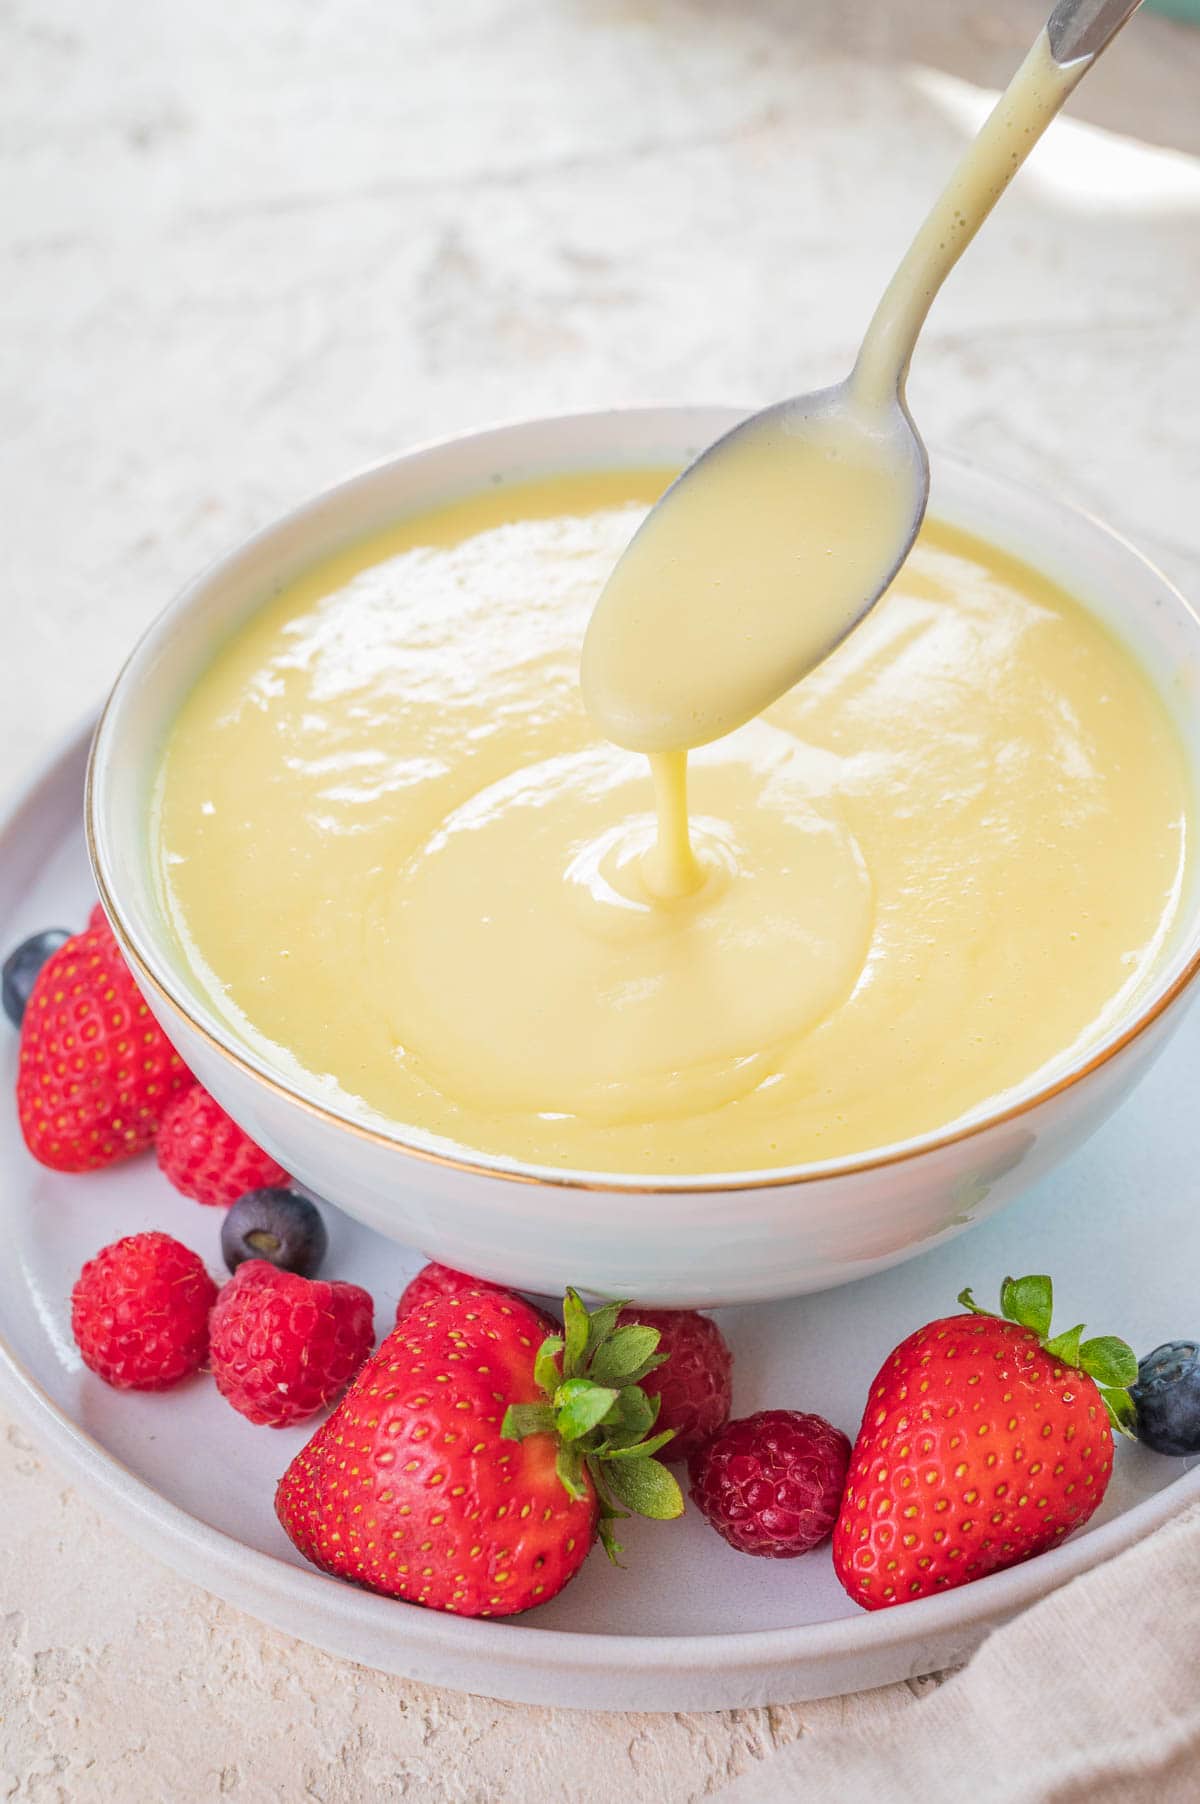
(441, 949)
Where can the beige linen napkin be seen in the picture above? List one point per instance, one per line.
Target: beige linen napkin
(1091, 1697)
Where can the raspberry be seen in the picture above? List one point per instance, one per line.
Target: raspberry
(204, 1152)
(436, 1280)
(695, 1384)
(284, 1346)
(771, 1483)
(139, 1313)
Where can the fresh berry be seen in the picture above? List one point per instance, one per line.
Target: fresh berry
(279, 1226)
(208, 1156)
(695, 1381)
(471, 1462)
(96, 1071)
(22, 966)
(284, 1346)
(436, 1280)
(97, 917)
(1166, 1398)
(771, 1483)
(984, 1443)
(139, 1313)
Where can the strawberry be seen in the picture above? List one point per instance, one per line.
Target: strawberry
(472, 1462)
(284, 1346)
(434, 1280)
(96, 1071)
(984, 1443)
(694, 1383)
(204, 1152)
(139, 1312)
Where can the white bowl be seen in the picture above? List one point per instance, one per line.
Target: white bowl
(670, 1240)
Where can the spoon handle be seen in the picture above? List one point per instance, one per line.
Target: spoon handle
(1065, 50)
(1079, 28)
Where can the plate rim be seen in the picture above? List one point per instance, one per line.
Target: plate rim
(185, 1542)
(963, 1609)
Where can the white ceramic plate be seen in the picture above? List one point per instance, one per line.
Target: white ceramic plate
(689, 1625)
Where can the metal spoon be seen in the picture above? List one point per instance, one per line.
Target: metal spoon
(729, 592)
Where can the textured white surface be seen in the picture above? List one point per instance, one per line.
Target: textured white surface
(247, 247)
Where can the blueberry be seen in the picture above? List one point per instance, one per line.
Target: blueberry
(22, 966)
(1167, 1398)
(276, 1225)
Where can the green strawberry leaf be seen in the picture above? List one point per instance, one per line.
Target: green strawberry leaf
(642, 1449)
(967, 1301)
(647, 1488)
(576, 1327)
(638, 1409)
(521, 1419)
(569, 1466)
(655, 1403)
(608, 1541)
(631, 1416)
(644, 1370)
(1109, 1361)
(623, 1354)
(601, 1325)
(580, 1406)
(1029, 1302)
(1122, 1414)
(1065, 1347)
(545, 1366)
(606, 1516)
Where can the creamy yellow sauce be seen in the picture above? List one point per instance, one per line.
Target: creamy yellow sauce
(773, 545)
(406, 867)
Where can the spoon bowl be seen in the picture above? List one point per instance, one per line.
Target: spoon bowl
(710, 568)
